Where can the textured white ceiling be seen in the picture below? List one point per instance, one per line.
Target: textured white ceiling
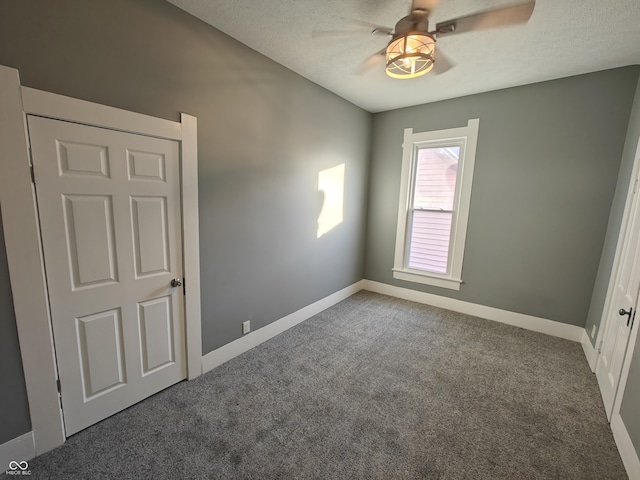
(563, 38)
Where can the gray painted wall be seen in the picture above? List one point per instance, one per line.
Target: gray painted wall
(264, 134)
(631, 398)
(546, 168)
(14, 409)
(615, 221)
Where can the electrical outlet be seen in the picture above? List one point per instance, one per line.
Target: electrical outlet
(593, 332)
(246, 327)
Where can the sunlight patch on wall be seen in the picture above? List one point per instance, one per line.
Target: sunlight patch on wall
(331, 185)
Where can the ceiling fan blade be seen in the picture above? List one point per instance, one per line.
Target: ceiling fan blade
(337, 33)
(374, 27)
(360, 29)
(424, 5)
(499, 17)
(442, 63)
(372, 61)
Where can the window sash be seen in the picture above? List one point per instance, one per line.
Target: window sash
(433, 173)
(429, 248)
(409, 264)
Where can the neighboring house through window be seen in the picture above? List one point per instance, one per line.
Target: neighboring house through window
(437, 170)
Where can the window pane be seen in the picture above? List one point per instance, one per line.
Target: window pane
(436, 173)
(430, 235)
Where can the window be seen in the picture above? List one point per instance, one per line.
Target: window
(437, 169)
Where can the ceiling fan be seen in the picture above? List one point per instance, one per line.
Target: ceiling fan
(411, 52)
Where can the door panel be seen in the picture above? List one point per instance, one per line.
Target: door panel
(80, 159)
(109, 206)
(90, 240)
(101, 352)
(146, 166)
(150, 235)
(156, 327)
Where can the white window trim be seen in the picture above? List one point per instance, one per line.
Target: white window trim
(412, 142)
(22, 235)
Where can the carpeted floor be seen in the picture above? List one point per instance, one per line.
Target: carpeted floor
(372, 388)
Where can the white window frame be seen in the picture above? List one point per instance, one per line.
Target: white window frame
(466, 138)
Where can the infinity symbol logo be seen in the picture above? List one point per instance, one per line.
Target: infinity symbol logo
(13, 465)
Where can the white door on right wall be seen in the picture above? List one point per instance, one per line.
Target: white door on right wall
(622, 309)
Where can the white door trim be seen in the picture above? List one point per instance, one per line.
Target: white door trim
(625, 447)
(23, 243)
(620, 434)
(615, 271)
(19, 449)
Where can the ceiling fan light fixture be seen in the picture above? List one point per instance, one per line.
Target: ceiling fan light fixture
(410, 55)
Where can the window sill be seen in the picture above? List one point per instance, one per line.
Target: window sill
(442, 282)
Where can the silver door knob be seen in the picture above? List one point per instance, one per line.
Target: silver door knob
(176, 282)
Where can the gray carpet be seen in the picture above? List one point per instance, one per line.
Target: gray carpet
(372, 388)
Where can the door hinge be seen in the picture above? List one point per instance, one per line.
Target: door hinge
(33, 174)
(59, 386)
(184, 287)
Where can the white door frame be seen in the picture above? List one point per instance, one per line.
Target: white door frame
(615, 271)
(23, 241)
(620, 434)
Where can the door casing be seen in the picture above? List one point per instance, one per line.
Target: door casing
(24, 246)
(617, 262)
(620, 434)
(622, 293)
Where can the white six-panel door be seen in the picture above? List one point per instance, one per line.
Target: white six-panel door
(109, 206)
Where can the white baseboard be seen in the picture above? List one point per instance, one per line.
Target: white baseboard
(625, 447)
(19, 449)
(589, 351)
(528, 322)
(225, 353)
